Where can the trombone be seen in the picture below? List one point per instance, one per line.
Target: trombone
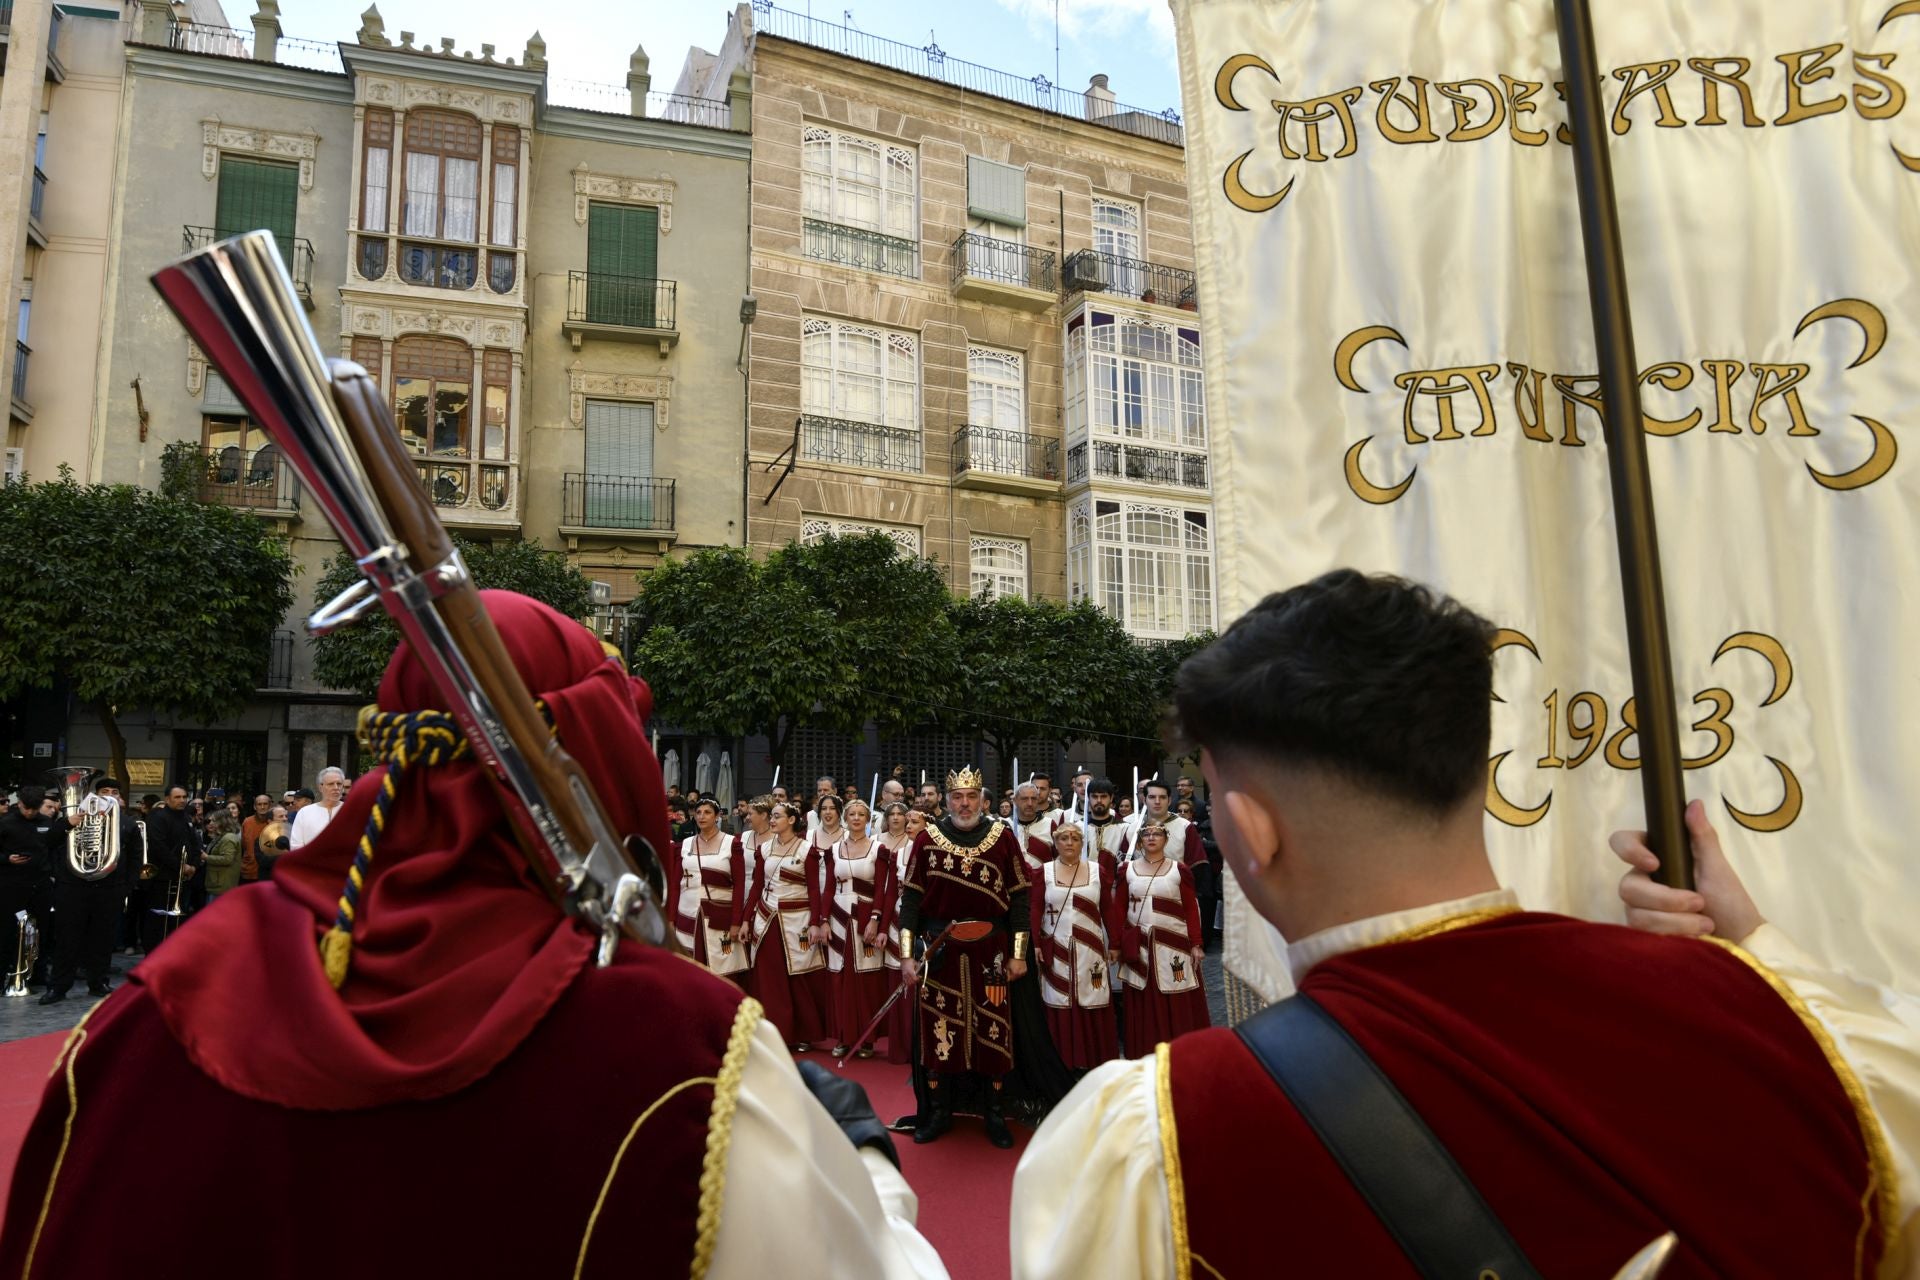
(26, 953)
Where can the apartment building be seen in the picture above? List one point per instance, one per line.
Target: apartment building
(544, 278)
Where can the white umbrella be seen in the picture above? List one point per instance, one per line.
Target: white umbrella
(723, 786)
(670, 769)
(703, 774)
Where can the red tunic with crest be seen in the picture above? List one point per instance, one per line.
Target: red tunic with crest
(966, 1015)
(1070, 947)
(1599, 1086)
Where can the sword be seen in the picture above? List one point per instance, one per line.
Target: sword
(934, 949)
(237, 302)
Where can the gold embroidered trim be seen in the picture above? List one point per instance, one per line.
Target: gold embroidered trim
(1209, 1267)
(1881, 1201)
(68, 1053)
(939, 837)
(600, 1201)
(726, 1096)
(1170, 1159)
(1447, 924)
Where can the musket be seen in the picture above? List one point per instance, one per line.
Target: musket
(934, 948)
(236, 301)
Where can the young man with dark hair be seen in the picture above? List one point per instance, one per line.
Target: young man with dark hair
(1109, 830)
(1346, 726)
(88, 910)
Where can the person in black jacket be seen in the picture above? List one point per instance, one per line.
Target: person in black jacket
(173, 851)
(23, 862)
(88, 910)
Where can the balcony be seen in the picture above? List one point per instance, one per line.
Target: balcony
(262, 481)
(1006, 272)
(621, 309)
(620, 508)
(844, 443)
(1139, 464)
(37, 209)
(471, 494)
(1006, 461)
(298, 254)
(278, 670)
(857, 247)
(22, 409)
(1096, 271)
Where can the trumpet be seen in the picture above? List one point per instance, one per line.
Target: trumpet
(26, 954)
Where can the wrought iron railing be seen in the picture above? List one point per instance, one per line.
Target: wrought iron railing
(631, 302)
(38, 205)
(197, 37)
(278, 673)
(21, 354)
(708, 113)
(983, 257)
(298, 253)
(262, 480)
(1144, 464)
(858, 247)
(616, 502)
(477, 486)
(1097, 271)
(860, 444)
(935, 63)
(1005, 453)
(617, 99)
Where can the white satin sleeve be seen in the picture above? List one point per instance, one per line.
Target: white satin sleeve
(802, 1200)
(1090, 1195)
(1877, 1031)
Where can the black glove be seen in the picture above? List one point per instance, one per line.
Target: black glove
(847, 1103)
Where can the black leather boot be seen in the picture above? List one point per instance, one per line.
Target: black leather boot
(938, 1120)
(997, 1132)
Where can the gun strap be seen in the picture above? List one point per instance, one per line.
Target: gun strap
(1410, 1181)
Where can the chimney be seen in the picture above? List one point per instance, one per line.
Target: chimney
(1099, 99)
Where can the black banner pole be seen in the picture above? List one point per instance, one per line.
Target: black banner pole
(1647, 650)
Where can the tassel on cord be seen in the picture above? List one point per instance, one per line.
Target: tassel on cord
(401, 740)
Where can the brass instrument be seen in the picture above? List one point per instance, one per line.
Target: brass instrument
(175, 891)
(26, 953)
(93, 847)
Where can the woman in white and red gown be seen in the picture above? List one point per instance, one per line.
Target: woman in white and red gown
(896, 842)
(857, 950)
(790, 955)
(714, 888)
(1071, 906)
(1156, 925)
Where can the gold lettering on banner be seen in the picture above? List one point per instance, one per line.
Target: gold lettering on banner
(1585, 719)
(1714, 390)
(1676, 92)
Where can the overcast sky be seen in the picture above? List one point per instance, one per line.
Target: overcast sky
(1130, 40)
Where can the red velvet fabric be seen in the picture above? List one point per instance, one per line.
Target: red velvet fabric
(497, 1180)
(1599, 1086)
(457, 954)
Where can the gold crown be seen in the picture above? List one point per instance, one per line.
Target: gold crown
(967, 779)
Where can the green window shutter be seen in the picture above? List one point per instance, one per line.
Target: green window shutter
(257, 194)
(619, 458)
(623, 264)
(997, 192)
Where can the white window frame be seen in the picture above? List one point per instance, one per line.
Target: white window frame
(998, 567)
(862, 374)
(1149, 565)
(1118, 227)
(1136, 378)
(814, 528)
(15, 469)
(857, 181)
(996, 389)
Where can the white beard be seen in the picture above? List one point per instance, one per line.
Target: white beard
(967, 825)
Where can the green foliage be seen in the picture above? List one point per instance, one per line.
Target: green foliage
(355, 657)
(846, 630)
(138, 598)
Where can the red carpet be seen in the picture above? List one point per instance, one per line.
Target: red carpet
(965, 1184)
(23, 1075)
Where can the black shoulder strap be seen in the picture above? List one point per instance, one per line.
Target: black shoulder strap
(1434, 1213)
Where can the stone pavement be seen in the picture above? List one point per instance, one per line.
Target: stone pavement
(24, 1016)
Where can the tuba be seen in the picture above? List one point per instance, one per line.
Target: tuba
(93, 847)
(26, 953)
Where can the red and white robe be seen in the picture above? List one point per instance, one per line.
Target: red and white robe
(1183, 839)
(1070, 947)
(859, 972)
(1156, 921)
(711, 901)
(790, 975)
(1036, 844)
(893, 870)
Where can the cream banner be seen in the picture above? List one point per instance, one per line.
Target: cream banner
(1401, 366)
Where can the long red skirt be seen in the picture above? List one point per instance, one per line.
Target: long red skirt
(1084, 1038)
(799, 1004)
(856, 998)
(1153, 1017)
